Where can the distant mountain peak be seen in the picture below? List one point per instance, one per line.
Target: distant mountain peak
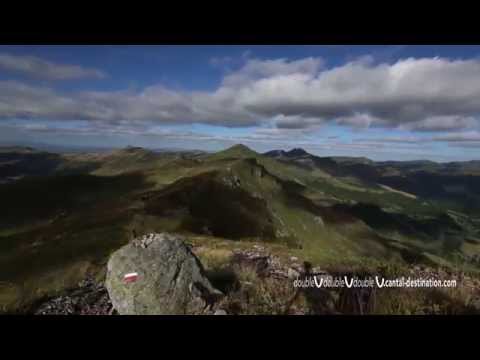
(18, 149)
(275, 153)
(297, 152)
(133, 148)
(292, 153)
(236, 151)
(240, 147)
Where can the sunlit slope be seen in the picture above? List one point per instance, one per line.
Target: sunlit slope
(271, 199)
(59, 227)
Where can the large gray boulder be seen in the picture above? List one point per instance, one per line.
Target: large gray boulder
(170, 279)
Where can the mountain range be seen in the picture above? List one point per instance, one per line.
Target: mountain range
(66, 212)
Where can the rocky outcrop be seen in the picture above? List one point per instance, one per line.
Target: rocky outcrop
(254, 280)
(267, 265)
(167, 278)
(88, 298)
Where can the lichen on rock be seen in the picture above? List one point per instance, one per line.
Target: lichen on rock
(169, 280)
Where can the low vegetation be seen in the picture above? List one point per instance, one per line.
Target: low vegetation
(67, 213)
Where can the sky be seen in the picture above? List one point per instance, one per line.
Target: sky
(397, 102)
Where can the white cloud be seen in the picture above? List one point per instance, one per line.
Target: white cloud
(431, 94)
(459, 137)
(294, 122)
(359, 120)
(395, 139)
(442, 123)
(407, 91)
(43, 69)
(257, 70)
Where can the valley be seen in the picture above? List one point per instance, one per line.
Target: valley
(64, 214)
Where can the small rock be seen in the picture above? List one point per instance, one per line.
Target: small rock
(292, 273)
(319, 271)
(296, 267)
(220, 312)
(258, 247)
(319, 221)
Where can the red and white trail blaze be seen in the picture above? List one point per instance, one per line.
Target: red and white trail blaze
(131, 277)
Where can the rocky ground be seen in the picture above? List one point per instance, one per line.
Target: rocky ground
(92, 298)
(257, 282)
(89, 298)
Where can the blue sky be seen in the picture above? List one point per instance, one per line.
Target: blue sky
(384, 102)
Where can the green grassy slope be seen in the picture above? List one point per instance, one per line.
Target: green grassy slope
(59, 227)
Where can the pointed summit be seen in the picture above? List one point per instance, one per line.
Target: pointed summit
(297, 152)
(240, 147)
(240, 150)
(236, 151)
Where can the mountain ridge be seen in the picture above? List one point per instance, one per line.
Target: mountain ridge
(65, 218)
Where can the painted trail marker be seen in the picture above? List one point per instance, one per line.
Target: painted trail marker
(131, 277)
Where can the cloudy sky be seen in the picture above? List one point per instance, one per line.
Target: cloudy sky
(383, 102)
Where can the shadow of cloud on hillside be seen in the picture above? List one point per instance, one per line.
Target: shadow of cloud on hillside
(34, 199)
(213, 207)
